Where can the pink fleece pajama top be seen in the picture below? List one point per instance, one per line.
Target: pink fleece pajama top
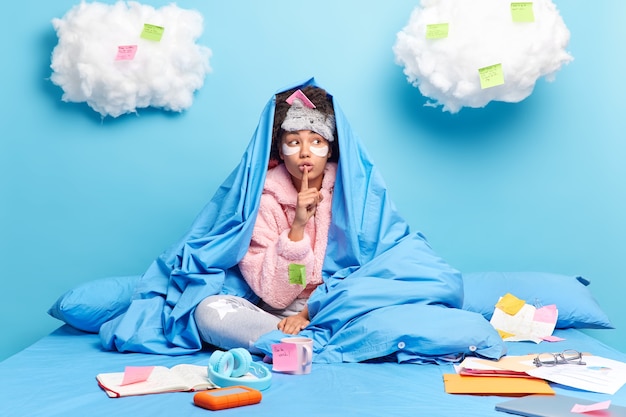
(265, 266)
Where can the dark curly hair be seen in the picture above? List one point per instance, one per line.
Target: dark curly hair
(323, 103)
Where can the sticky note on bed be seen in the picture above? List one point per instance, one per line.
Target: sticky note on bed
(284, 357)
(135, 374)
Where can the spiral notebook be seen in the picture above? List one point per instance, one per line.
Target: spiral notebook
(554, 406)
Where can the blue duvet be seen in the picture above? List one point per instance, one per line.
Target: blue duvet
(385, 292)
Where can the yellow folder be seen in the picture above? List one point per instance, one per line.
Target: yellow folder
(489, 385)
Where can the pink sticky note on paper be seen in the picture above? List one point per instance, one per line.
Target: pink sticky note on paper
(578, 408)
(302, 97)
(126, 52)
(134, 374)
(546, 314)
(284, 357)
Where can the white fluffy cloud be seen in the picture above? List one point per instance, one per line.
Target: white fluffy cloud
(481, 34)
(93, 59)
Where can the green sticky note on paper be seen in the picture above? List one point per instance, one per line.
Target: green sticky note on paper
(152, 32)
(491, 76)
(297, 274)
(437, 31)
(522, 12)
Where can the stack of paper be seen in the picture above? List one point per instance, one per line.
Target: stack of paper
(507, 376)
(517, 375)
(506, 366)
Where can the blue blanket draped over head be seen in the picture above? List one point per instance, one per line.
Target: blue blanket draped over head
(385, 291)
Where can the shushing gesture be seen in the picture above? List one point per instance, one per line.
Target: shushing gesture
(306, 204)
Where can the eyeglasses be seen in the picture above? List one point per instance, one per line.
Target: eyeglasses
(569, 356)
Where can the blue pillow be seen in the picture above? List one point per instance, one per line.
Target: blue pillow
(577, 307)
(93, 303)
(89, 305)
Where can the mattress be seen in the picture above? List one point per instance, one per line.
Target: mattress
(56, 377)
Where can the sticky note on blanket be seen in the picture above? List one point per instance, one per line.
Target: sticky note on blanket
(135, 374)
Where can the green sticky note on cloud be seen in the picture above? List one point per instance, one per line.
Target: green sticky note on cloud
(297, 274)
(522, 12)
(437, 31)
(491, 76)
(152, 32)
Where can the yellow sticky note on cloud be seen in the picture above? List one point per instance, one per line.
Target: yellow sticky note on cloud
(510, 304)
(152, 32)
(437, 31)
(491, 76)
(522, 12)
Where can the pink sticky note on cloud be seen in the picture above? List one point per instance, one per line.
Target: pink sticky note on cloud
(284, 357)
(547, 314)
(135, 374)
(579, 408)
(126, 52)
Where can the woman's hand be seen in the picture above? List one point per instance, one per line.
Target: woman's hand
(294, 324)
(308, 199)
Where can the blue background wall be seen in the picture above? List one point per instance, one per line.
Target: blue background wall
(539, 185)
